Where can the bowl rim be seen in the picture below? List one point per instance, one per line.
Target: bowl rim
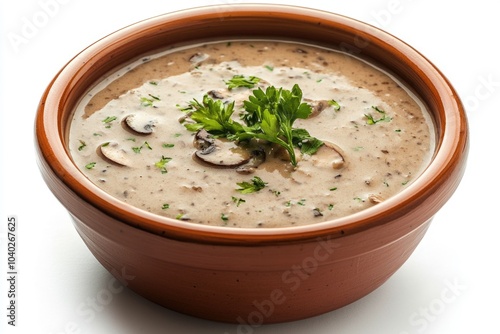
(452, 141)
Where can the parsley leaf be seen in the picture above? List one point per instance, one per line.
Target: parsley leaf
(161, 164)
(269, 115)
(242, 81)
(370, 120)
(255, 185)
(213, 116)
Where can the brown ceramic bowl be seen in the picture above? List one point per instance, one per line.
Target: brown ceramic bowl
(251, 276)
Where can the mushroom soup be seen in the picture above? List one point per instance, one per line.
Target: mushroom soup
(251, 134)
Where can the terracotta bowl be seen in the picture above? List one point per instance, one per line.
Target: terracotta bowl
(251, 276)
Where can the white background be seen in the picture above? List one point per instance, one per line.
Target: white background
(449, 285)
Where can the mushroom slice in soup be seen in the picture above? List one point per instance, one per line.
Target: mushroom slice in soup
(330, 155)
(226, 154)
(114, 153)
(142, 124)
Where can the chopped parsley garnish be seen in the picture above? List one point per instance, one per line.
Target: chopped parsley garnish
(383, 118)
(237, 200)
(162, 164)
(269, 115)
(213, 116)
(166, 145)
(224, 217)
(255, 185)
(148, 102)
(139, 148)
(82, 145)
(165, 206)
(107, 121)
(242, 81)
(90, 165)
(303, 140)
(334, 104)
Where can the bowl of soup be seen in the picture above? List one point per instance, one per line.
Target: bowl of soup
(249, 163)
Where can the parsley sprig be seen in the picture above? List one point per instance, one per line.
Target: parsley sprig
(269, 115)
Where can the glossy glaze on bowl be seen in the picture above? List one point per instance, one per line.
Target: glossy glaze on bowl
(252, 276)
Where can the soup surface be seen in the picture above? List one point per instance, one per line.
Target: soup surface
(136, 135)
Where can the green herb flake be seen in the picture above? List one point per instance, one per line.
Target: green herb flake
(269, 67)
(330, 207)
(166, 145)
(224, 217)
(370, 120)
(82, 145)
(146, 102)
(154, 83)
(333, 189)
(242, 81)
(302, 202)
(237, 200)
(334, 104)
(161, 164)
(165, 206)
(107, 121)
(90, 165)
(255, 185)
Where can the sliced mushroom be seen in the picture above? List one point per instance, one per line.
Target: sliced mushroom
(216, 94)
(114, 153)
(329, 155)
(375, 199)
(140, 123)
(203, 140)
(226, 154)
(198, 58)
(317, 106)
(258, 157)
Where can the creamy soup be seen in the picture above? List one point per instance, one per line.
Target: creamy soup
(136, 135)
